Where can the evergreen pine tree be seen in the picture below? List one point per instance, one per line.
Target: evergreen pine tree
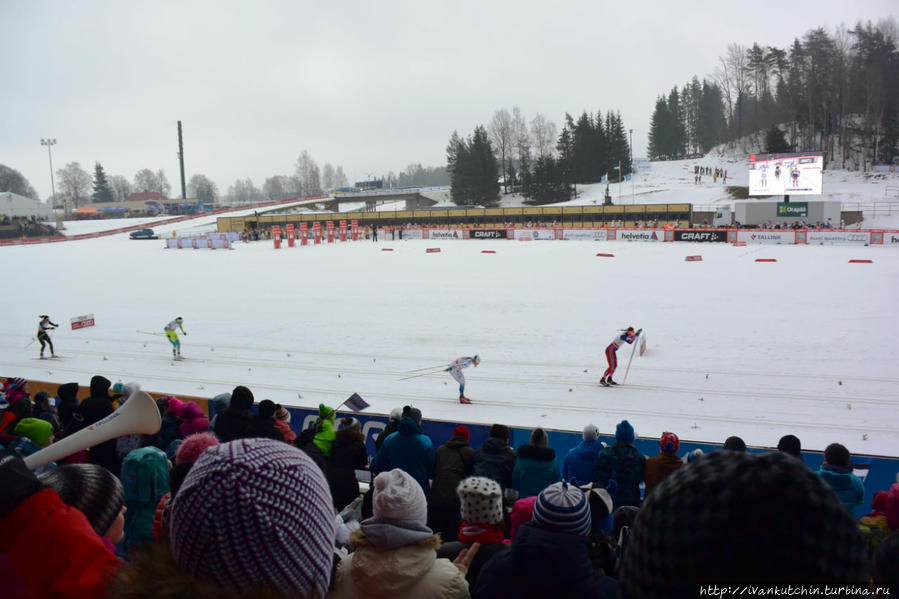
(660, 131)
(102, 191)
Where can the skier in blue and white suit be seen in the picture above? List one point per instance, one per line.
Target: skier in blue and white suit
(455, 370)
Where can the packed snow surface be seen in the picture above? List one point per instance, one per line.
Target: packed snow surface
(805, 345)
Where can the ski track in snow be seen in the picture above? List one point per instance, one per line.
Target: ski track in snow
(805, 345)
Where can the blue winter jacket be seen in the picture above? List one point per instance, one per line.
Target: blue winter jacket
(623, 464)
(581, 462)
(535, 469)
(848, 487)
(410, 450)
(540, 563)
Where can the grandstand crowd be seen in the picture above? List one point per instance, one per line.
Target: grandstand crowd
(245, 506)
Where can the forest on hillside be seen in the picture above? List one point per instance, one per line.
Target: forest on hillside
(832, 92)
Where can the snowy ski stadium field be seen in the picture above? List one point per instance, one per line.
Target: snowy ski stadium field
(806, 345)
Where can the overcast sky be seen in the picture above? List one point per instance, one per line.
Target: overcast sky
(371, 86)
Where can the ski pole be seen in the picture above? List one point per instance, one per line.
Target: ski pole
(633, 349)
(425, 368)
(149, 333)
(33, 339)
(422, 374)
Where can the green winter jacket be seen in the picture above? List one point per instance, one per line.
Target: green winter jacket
(324, 439)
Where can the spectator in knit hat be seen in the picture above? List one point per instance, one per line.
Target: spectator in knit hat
(735, 443)
(145, 477)
(408, 449)
(48, 547)
(622, 463)
(496, 459)
(218, 404)
(263, 423)
(580, 463)
(522, 512)
(454, 461)
(775, 523)
(188, 452)
(536, 467)
(874, 526)
(90, 411)
(481, 511)
(790, 445)
(395, 552)
(348, 454)
(396, 414)
(836, 471)
(665, 463)
(234, 421)
(97, 493)
(324, 438)
(282, 423)
(170, 428)
(550, 556)
(33, 435)
(253, 518)
(885, 567)
(194, 418)
(45, 410)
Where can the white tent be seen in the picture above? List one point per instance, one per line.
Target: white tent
(12, 204)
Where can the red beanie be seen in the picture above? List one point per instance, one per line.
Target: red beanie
(461, 431)
(669, 443)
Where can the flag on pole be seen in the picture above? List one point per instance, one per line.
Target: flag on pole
(617, 166)
(627, 177)
(605, 178)
(356, 403)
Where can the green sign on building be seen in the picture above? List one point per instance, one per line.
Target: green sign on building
(790, 209)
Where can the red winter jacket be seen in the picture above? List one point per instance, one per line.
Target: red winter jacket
(73, 561)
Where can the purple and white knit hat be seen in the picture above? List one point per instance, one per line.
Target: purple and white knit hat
(255, 512)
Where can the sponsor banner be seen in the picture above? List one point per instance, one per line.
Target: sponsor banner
(789, 209)
(488, 234)
(535, 234)
(79, 322)
(766, 236)
(891, 238)
(640, 235)
(886, 168)
(411, 234)
(706, 236)
(585, 234)
(838, 237)
(443, 234)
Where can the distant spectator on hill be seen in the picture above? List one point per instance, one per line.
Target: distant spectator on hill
(837, 473)
(263, 423)
(277, 542)
(408, 449)
(580, 462)
(724, 517)
(665, 463)
(550, 556)
(735, 443)
(496, 459)
(622, 463)
(454, 462)
(395, 552)
(790, 445)
(536, 466)
(348, 454)
(234, 421)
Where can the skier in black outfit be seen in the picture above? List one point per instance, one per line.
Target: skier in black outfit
(43, 326)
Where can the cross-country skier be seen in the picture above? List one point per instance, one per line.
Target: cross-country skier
(627, 336)
(455, 370)
(43, 326)
(173, 336)
(764, 169)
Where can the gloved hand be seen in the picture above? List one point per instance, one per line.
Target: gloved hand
(17, 481)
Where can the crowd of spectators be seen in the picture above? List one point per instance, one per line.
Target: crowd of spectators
(21, 226)
(244, 506)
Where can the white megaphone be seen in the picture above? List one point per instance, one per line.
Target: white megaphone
(139, 415)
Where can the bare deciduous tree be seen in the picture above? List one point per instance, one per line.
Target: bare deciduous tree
(543, 133)
(500, 130)
(74, 182)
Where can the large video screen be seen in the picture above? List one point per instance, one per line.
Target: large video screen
(786, 174)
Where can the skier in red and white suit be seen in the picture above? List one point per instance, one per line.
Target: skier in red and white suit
(627, 336)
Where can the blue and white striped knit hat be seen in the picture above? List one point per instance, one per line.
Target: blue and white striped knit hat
(255, 512)
(561, 507)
